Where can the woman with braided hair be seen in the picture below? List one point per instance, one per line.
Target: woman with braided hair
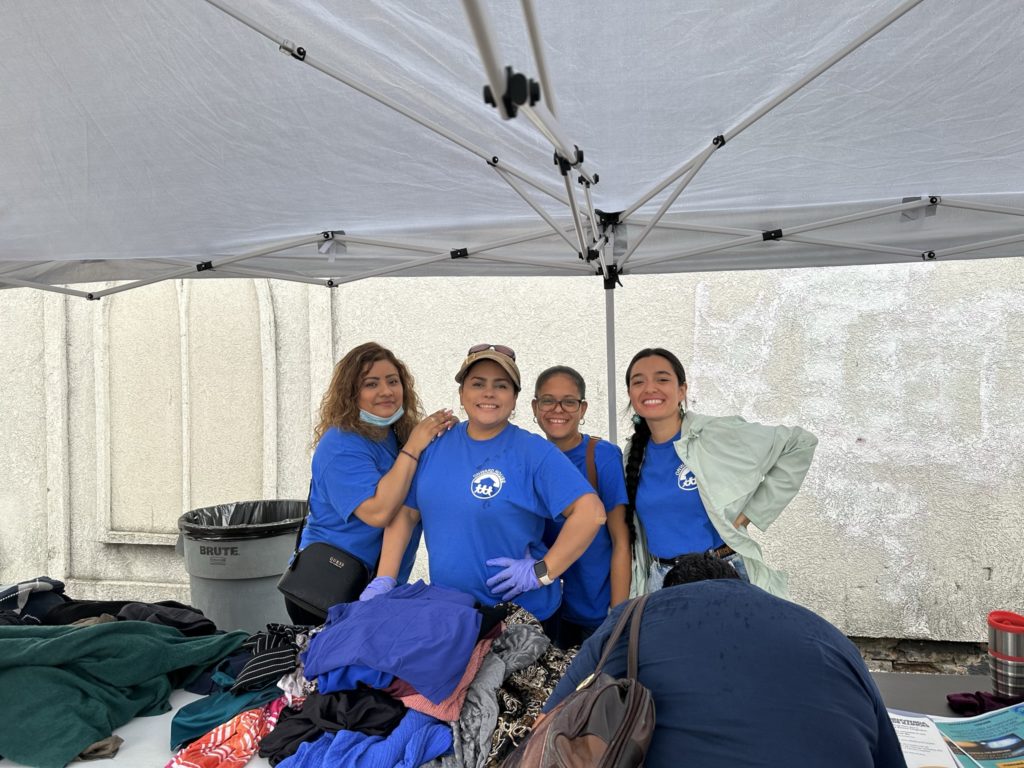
(695, 482)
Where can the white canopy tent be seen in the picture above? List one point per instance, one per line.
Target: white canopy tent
(170, 138)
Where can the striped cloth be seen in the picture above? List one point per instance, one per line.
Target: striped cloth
(275, 654)
(233, 743)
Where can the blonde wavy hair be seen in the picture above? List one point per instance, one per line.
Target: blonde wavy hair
(340, 404)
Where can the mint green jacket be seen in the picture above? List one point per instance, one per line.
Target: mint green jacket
(742, 467)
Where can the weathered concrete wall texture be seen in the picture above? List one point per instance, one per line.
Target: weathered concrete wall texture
(120, 415)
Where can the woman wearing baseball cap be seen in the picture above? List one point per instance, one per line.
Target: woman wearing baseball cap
(483, 492)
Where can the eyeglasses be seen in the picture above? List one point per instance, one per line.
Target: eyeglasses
(569, 404)
(501, 349)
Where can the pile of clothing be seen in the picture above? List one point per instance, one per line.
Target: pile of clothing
(417, 676)
(73, 671)
(420, 675)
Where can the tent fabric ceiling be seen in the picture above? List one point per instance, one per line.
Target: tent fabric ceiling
(141, 139)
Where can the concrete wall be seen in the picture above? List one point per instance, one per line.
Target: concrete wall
(119, 415)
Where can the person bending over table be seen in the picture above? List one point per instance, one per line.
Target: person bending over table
(370, 429)
(741, 677)
(599, 579)
(483, 492)
(694, 482)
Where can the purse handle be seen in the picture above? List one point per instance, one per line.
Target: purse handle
(634, 610)
(302, 526)
(591, 463)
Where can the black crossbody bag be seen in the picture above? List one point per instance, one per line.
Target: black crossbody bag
(322, 575)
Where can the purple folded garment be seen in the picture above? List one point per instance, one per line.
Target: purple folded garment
(979, 702)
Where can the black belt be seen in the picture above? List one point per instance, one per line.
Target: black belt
(720, 552)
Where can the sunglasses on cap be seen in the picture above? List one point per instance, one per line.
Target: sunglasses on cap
(501, 349)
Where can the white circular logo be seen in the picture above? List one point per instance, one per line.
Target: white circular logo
(685, 479)
(487, 484)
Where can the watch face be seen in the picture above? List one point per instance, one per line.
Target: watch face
(540, 569)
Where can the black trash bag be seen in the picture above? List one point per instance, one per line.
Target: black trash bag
(243, 519)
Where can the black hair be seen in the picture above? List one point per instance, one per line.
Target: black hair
(699, 566)
(642, 434)
(564, 370)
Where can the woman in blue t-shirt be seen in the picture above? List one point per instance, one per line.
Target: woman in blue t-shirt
(483, 492)
(599, 579)
(370, 429)
(695, 482)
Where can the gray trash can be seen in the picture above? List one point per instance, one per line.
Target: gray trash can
(234, 555)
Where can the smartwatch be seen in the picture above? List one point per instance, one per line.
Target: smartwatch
(540, 570)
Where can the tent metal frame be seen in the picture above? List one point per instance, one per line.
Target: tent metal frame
(594, 231)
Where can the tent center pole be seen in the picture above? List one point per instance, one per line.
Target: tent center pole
(609, 340)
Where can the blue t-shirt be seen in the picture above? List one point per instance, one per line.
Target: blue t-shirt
(740, 677)
(669, 504)
(482, 499)
(587, 585)
(346, 470)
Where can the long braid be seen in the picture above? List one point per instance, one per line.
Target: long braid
(634, 460)
(642, 434)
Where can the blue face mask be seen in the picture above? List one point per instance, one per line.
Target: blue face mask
(381, 421)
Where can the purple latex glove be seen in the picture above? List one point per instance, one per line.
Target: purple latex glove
(378, 586)
(516, 578)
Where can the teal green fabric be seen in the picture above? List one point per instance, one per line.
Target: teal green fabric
(747, 468)
(199, 717)
(64, 687)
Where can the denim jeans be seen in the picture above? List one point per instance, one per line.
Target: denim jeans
(656, 577)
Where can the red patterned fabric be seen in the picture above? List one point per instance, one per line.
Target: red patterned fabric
(233, 743)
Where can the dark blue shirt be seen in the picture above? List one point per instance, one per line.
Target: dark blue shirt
(669, 504)
(483, 499)
(587, 584)
(740, 677)
(346, 470)
(419, 632)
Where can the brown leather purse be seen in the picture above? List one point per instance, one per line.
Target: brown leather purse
(606, 722)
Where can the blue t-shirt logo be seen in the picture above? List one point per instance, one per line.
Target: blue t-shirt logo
(685, 479)
(487, 484)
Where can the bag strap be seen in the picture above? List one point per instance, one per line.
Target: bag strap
(591, 463)
(634, 609)
(302, 526)
(633, 660)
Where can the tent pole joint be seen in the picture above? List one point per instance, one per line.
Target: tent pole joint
(519, 90)
(565, 164)
(608, 218)
(613, 277)
(928, 256)
(92, 297)
(935, 199)
(459, 253)
(295, 51)
(771, 234)
(718, 141)
(204, 266)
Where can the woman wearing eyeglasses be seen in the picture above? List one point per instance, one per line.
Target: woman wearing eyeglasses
(483, 493)
(695, 482)
(600, 578)
(370, 426)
